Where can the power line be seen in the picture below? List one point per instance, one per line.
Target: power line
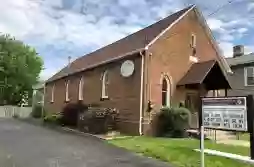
(221, 7)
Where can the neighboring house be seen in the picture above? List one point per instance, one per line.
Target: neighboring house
(242, 65)
(38, 93)
(172, 61)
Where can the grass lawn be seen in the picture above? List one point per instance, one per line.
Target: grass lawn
(244, 136)
(179, 152)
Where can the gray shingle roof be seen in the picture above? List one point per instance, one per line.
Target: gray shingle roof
(245, 59)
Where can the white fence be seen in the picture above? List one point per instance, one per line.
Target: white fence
(10, 111)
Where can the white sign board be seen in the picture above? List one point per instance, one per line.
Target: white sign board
(228, 113)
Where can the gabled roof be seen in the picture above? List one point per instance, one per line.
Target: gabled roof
(133, 43)
(197, 73)
(209, 72)
(245, 59)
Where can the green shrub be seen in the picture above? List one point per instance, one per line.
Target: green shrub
(37, 111)
(53, 118)
(98, 120)
(71, 113)
(173, 122)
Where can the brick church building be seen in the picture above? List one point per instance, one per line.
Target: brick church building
(173, 60)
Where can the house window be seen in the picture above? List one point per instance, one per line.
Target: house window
(105, 84)
(193, 45)
(193, 40)
(165, 93)
(67, 91)
(249, 76)
(81, 89)
(52, 93)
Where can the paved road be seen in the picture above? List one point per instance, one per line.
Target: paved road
(25, 145)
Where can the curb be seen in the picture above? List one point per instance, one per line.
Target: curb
(80, 133)
(58, 128)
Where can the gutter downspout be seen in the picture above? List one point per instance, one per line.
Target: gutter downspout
(141, 95)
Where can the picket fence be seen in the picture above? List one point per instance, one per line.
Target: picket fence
(10, 111)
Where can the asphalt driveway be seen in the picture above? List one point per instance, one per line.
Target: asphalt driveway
(25, 145)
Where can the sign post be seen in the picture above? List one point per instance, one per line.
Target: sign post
(202, 149)
(228, 113)
(250, 120)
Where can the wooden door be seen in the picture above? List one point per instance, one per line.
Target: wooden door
(192, 103)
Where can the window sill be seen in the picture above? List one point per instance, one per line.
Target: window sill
(193, 59)
(104, 98)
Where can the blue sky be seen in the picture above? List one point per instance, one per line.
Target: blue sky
(62, 28)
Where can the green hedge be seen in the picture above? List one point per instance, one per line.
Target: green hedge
(53, 118)
(98, 120)
(173, 122)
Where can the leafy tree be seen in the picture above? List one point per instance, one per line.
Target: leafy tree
(20, 67)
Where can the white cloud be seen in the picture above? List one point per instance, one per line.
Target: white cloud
(248, 49)
(32, 19)
(228, 31)
(52, 67)
(37, 23)
(131, 2)
(13, 18)
(164, 10)
(242, 30)
(250, 6)
(238, 22)
(45, 22)
(227, 37)
(215, 24)
(227, 48)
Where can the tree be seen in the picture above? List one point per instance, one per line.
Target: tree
(20, 67)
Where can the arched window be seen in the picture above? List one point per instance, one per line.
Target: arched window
(67, 90)
(105, 83)
(165, 92)
(81, 88)
(52, 93)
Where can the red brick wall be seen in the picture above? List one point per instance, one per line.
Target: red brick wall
(124, 93)
(170, 54)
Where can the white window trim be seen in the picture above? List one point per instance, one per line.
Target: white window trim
(67, 91)
(193, 59)
(168, 90)
(103, 87)
(81, 89)
(53, 93)
(246, 75)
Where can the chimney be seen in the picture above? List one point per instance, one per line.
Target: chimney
(238, 50)
(69, 61)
